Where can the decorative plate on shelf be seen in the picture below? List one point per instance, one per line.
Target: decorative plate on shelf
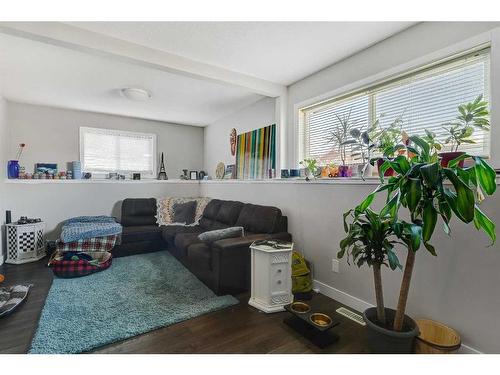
(220, 170)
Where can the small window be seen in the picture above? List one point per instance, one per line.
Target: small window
(106, 150)
(425, 98)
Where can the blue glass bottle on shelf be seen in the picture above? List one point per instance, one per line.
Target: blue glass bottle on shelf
(13, 169)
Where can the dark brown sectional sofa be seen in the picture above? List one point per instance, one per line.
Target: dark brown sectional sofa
(223, 265)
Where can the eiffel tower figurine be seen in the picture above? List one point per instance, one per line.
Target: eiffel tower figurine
(162, 174)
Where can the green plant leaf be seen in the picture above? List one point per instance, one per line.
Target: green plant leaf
(403, 163)
(391, 208)
(464, 201)
(346, 214)
(415, 236)
(414, 193)
(453, 163)
(393, 259)
(484, 222)
(429, 218)
(366, 202)
(421, 143)
(430, 248)
(486, 176)
(430, 173)
(444, 209)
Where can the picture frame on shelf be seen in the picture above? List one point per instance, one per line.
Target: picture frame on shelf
(230, 173)
(193, 175)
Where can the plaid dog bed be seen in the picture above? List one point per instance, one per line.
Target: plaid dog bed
(77, 268)
(12, 297)
(90, 244)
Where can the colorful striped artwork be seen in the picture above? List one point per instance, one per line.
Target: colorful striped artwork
(256, 153)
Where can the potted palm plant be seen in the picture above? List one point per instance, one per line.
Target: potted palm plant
(371, 240)
(339, 138)
(427, 191)
(471, 115)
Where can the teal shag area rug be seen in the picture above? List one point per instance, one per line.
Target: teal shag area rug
(135, 295)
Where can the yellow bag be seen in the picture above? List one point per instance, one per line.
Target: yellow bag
(301, 274)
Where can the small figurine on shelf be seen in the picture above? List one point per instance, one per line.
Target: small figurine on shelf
(184, 175)
(162, 174)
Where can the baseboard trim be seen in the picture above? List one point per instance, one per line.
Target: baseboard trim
(342, 297)
(465, 349)
(359, 305)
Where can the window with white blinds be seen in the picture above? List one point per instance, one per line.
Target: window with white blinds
(106, 150)
(426, 99)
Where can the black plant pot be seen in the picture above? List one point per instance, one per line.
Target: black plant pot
(385, 341)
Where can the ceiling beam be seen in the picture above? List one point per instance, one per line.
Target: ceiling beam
(75, 38)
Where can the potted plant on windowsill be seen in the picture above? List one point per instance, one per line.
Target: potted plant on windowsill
(339, 138)
(471, 115)
(311, 167)
(388, 141)
(361, 146)
(427, 190)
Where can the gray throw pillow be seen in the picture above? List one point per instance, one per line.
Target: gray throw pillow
(184, 212)
(220, 234)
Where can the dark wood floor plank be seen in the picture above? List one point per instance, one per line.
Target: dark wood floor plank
(235, 329)
(17, 329)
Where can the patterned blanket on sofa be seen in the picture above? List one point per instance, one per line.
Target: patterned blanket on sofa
(85, 227)
(165, 210)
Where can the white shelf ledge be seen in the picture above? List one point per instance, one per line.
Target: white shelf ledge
(99, 181)
(317, 181)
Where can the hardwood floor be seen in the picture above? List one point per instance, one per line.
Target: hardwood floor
(17, 329)
(236, 329)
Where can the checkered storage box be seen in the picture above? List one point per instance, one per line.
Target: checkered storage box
(25, 243)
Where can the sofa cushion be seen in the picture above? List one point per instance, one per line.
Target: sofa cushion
(199, 256)
(212, 209)
(229, 212)
(184, 212)
(219, 234)
(258, 219)
(141, 233)
(184, 240)
(209, 224)
(169, 232)
(138, 211)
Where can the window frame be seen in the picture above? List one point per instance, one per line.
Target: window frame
(119, 132)
(481, 44)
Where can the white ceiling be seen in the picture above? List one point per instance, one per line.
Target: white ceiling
(281, 52)
(39, 73)
(274, 53)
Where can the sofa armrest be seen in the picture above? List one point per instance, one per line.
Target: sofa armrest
(231, 261)
(245, 242)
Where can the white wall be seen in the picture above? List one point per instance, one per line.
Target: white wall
(407, 46)
(52, 136)
(217, 147)
(459, 287)
(56, 202)
(3, 172)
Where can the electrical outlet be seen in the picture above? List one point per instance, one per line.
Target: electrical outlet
(335, 265)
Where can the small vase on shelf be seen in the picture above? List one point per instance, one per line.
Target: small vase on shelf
(13, 169)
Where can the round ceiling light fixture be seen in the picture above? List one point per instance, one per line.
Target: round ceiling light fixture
(136, 94)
